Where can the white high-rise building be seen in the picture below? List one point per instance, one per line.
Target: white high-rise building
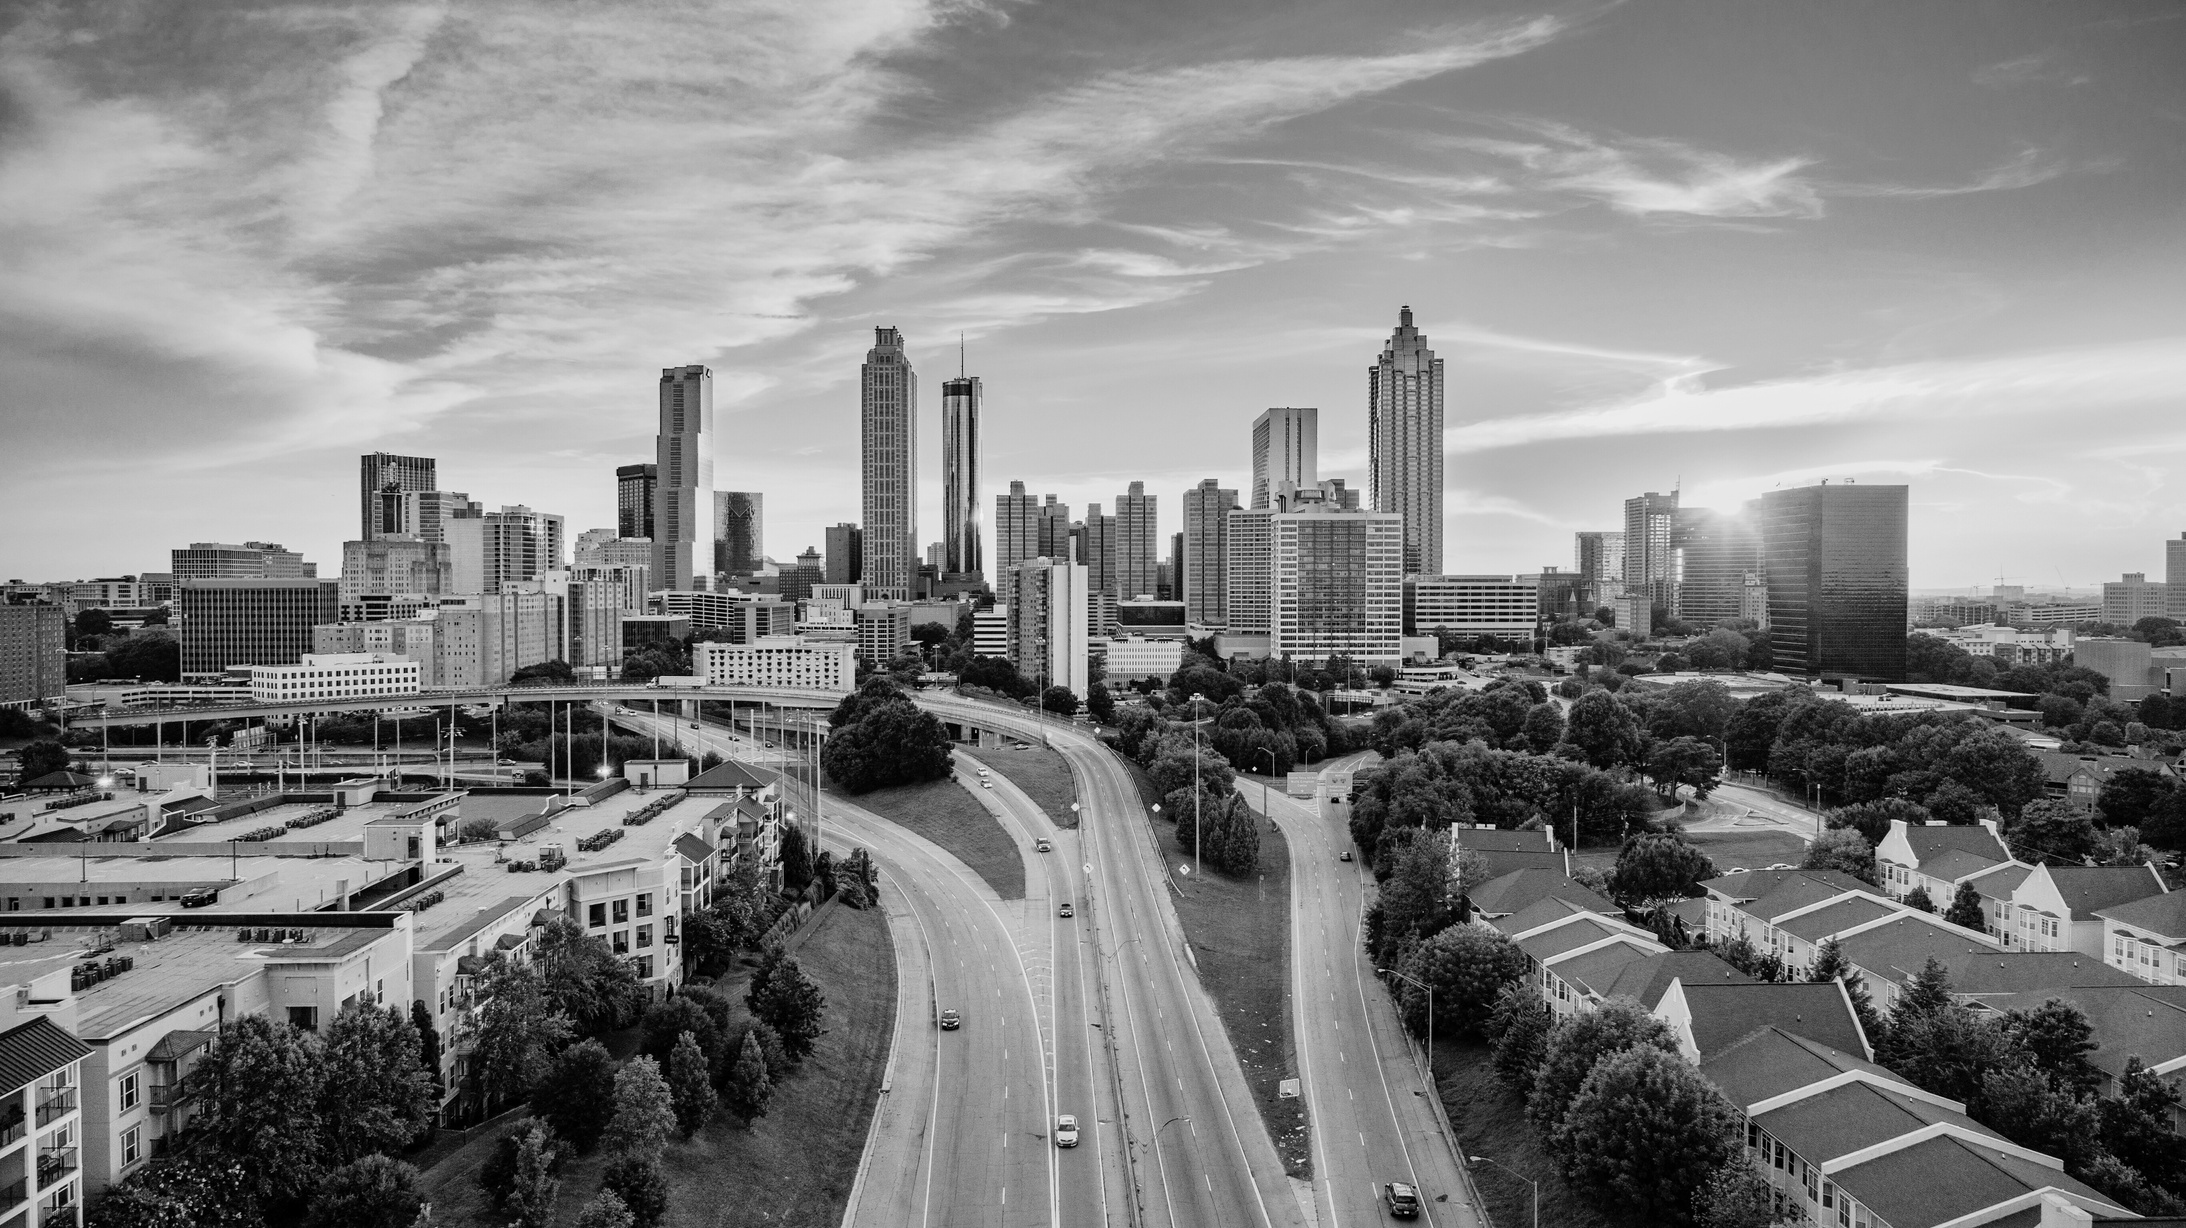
(963, 548)
(683, 502)
(888, 429)
(1048, 623)
(1285, 448)
(1404, 443)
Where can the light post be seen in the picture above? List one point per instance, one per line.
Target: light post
(1199, 856)
(1430, 1013)
(1269, 814)
(1522, 1177)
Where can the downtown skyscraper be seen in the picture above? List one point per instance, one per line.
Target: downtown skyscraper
(1138, 544)
(963, 549)
(1285, 447)
(683, 502)
(1837, 580)
(382, 474)
(1404, 443)
(888, 433)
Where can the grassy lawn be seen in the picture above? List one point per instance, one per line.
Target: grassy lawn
(1490, 1121)
(796, 1168)
(1751, 849)
(1240, 934)
(1042, 773)
(946, 813)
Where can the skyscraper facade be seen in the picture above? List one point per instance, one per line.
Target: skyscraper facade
(845, 554)
(1404, 443)
(1174, 568)
(962, 542)
(1837, 580)
(383, 472)
(1204, 553)
(1097, 533)
(423, 514)
(888, 431)
(740, 544)
(1138, 550)
(1716, 552)
(683, 504)
(33, 656)
(395, 567)
(1336, 584)
(249, 561)
(2174, 577)
(1285, 448)
(515, 543)
(1599, 559)
(251, 621)
(1056, 538)
(634, 487)
(1016, 529)
(1650, 543)
(1248, 571)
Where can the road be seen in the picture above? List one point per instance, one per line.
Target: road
(1764, 810)
(1372, 1121)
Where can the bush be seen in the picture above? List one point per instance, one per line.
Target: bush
(638, 1181)
(1520, 1027)
(1469, 968)
(1644, 1134)
(1576, 1044)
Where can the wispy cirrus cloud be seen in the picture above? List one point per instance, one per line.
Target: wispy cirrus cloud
(1651, 176)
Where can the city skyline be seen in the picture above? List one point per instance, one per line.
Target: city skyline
(1634, 277)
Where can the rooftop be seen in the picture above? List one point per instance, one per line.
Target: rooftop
(1930, 841)
(1856, 1116)
(1725, 1013)
(1523, 888)
(1832, 919)
(1749, 885)
(2088, 888)
(2163, 914)
(1942, 1179)
(1770, 1061)
(31, 1051)
(2144, 1021)
(1647, 979)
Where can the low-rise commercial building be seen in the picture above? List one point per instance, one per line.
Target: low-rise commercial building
(343, 675)
(1133, 657)
(884, 631)
(231, 622)
(778, 661)
(1472, 605)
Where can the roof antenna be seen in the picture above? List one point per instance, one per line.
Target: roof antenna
(960, 354)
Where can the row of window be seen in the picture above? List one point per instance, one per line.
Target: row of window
(619, 910)
(1768, 1152)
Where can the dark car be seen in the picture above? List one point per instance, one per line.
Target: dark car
(200, 897)
(950, 1020)
(1403, 1200)
(1344, 856)
(1066, 910)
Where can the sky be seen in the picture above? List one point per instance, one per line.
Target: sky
(1715, 245)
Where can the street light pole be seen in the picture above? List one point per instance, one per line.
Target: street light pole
(1522, 1177)
(1270, 753)
(1199, 845)
(1430, 1014)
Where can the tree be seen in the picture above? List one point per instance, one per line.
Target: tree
(881, 738)
(148, 656)
(1872, 819)
(2051, 832)
(261, 1106)
(1951, 1052)
(518, 1032)
(534, 1184)
(1100, 703)
(645, 1111)
(1467, 966)
(606, 1211)
(750, 1088)
(1415, 900)
(2058, 1038)
(428, 1044)
(2133, 795)
(690, 1089)
(796, 857)
(1966, 908)
(1844, 849)
(1830, 964)
(1576, 1045)
(1926, 993)
(556, 671)
(40, 758)
(786, 1000)
(1544, 728)
(1520, 1026)
(1918, 898)
(2135, 1125)
(1683, 761)
(1735, 1196)
(1060, 700)
(377, 1096)
(1656, 866)
(1224, 822)
(1603, 732)
(667, 1022)
(371, 1191)
(201, 1189)
(585, 980)
(638, 1181)
(1643, 1134)
(578, 1097)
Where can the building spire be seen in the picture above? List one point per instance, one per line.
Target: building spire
(960, 355)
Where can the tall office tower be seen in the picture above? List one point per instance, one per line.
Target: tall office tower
(1204, 553)
(515, 543)
(251, 621)
(1138, 550)
(395, 566)
(1404, 443)
(845, 554)
(1248, 563)
(798, 579)
(1650, 545)
(1048, 622)
(1176, 568)
(1285, 448)
(739, 534)
(2174, 578)
(963, 549)
(1599, 558)
(888, 426)
(33, 657)
(1837, 580)
(635, 487)
(1016, 529)
(384, 472)
(249, 561)
(1055, 530)
(683, 507)
(1716, 551)
(1098, 549)
(423, 514)
(1336, 583)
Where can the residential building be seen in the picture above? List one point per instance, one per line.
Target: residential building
(1472, 605)
(2147, 937)
(683, 502)
(411, 639)
(1248, 568)
(1131, 657)
(1933, 857)
(991, 632)
(1137, 562)
(249, 561)
(845, 554)
(2133, 597)
(778, 661)
(1889, 953)
(490, 550)
(1206, 548)
(1016, 528)
(1634, 613)
(1715, 553)
(584, 619)
(626, 581)
(888, 434)
(395, 566)
(2055, 908)
(1650, 550)
(41, 1116)
(1796, 914)
(33, 656)
(2147, 1022)
(636, 491)
(1404, 443)
(1285, 448)
(251, 621)
(600, 547)
(1336, 584)
(2079, 779)
(884, 631)
(739, 540)
(1837, 580)
(484, 638)
(1573, 952)
(1515, 891)
(2174, 577)
(1709, 1017)
(1096, 536)
(962, 542)
(1599, 559)
(344, 675)
(1048, 634)
(384, 473)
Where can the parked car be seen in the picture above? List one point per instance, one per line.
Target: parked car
(950, 1020)
(1066, 1131)
(1403, 1200)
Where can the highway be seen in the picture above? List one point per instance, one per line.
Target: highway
(1372, 1121)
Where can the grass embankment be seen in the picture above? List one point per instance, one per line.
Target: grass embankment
(1751, 849)
(1239, 930)
(796, 1169)
(1042, 773)
(946, 813)
(1490, 1120)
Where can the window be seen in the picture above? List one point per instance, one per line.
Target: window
(645, 904)
(645, 936)
(305, 1017)
(597, 915)
(622, 942)
(622, 911)
(128, 1091)
(645, 967)
(131, 1151)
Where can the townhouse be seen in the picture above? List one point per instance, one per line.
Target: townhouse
(2147, 937)
(1934, 857)
(1506, 850)
(2079, 779)
(2054, 908)
(1890, 954)
(2127, 1021)
(1508, 894)
(1573, 953)
(1791, 913)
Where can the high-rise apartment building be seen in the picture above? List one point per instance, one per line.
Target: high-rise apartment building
(1650, 550)
(2133, 597)
(254, 621)
(1404, 443)
(1837, 580)
(1173, 570)
(1715, 552)
(515, 543)
(1016, 529)
(635, 487)
(1049, 623)
(249, 561)
(1336, 584)
(1058, 537)
(888, 433)
(845, 554)
(395, 566)
(1097, 549)
(1138, 550)
(1599, 559)
(2174, 577)
(33, 656)
(584, 618)
(683, 504)
(484, 638)
(385, 472)
(626, 579)
(1248, 569)
(1285, 448)
(739, 532)
(1204, 553)
(963, 548)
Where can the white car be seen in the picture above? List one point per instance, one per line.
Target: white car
(1066, 1131)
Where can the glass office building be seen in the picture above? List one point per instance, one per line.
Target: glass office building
(1837, 580)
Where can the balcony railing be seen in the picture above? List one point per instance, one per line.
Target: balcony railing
(55, 1163)
(12, 1129)
(174, 1095)
(59, 1104)
(14, 1196)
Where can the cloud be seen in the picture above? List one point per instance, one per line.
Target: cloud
(2023, 171)
(2027, 70)
(1645, 177)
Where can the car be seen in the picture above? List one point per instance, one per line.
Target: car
(986, 784)
(1344, 856)
(950, 1020)
(1066, 1130)
(1403, 1200)
(1041, 844)
(1066, 910)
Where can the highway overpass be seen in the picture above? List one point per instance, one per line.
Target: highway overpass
(624, 692)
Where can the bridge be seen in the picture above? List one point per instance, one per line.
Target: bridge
(468, 697)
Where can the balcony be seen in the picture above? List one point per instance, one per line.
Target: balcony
(56, 1105)
(55, 1163)
(15, 1195)
(166, 1096)
(11, 1129)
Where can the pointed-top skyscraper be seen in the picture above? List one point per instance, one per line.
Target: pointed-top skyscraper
(1404, 443)
(888, 427)
(962, 548)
